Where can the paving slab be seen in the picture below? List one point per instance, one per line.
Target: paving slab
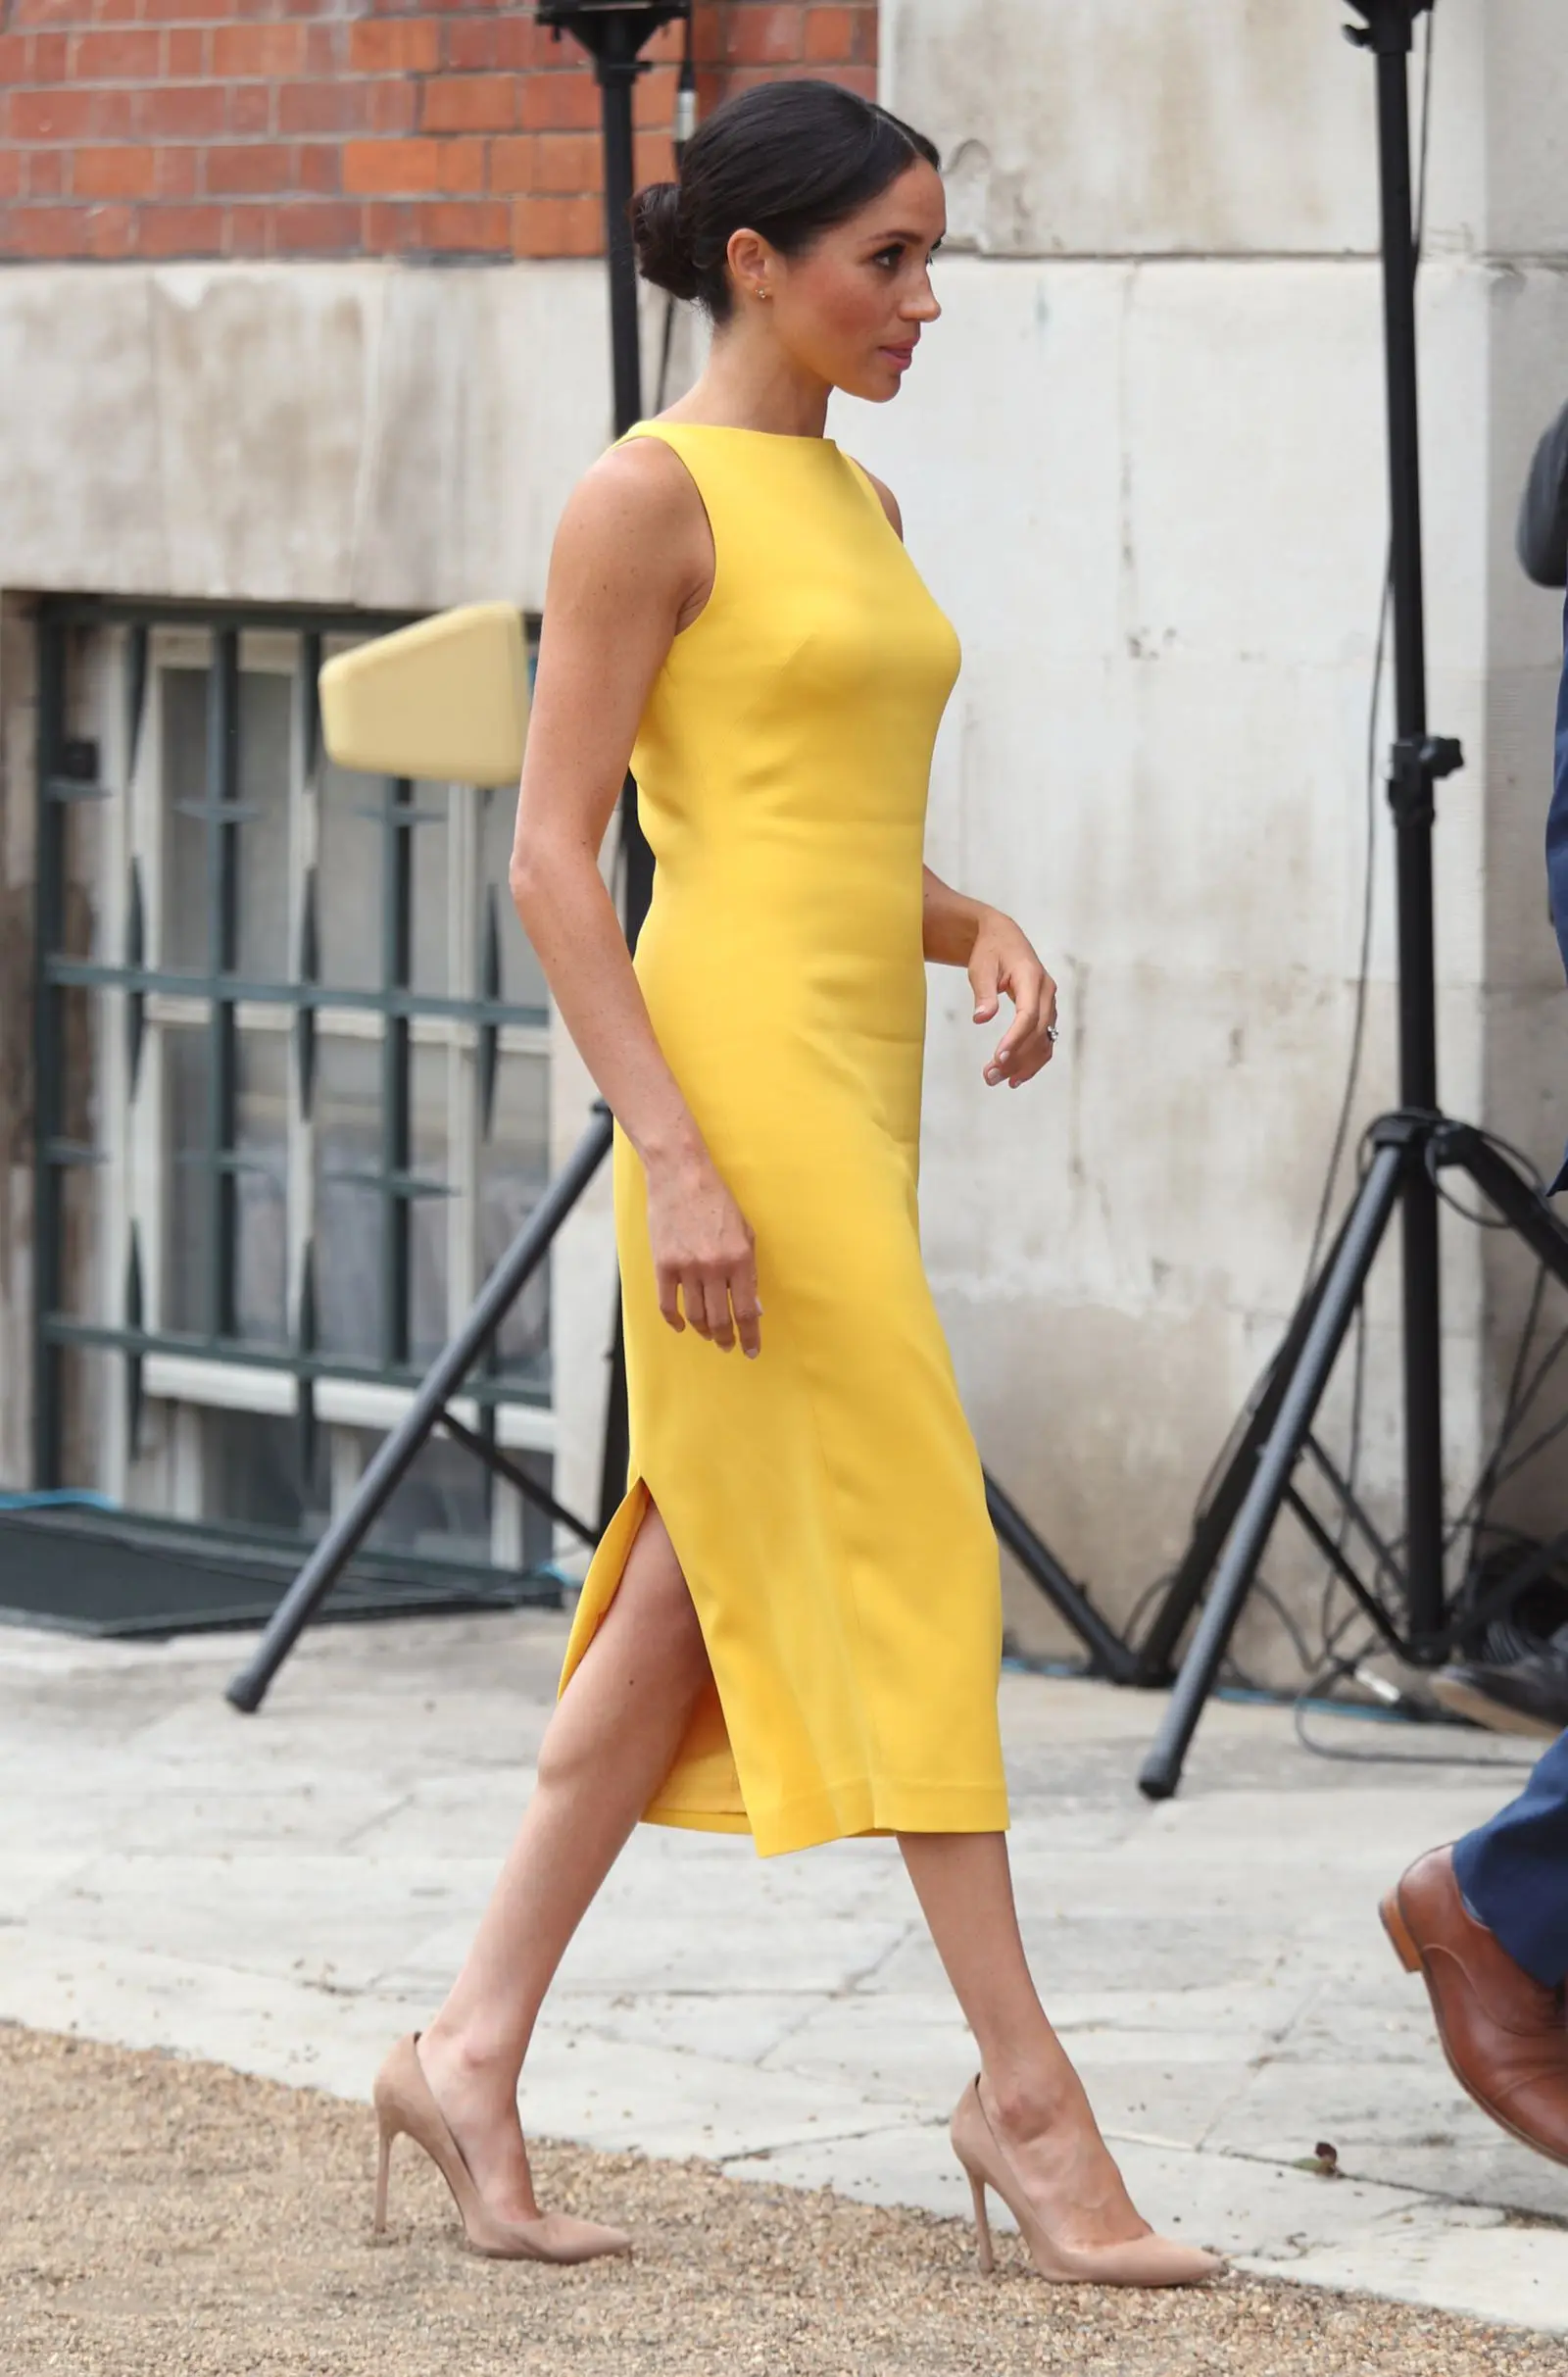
(1404, 2120)
(1256, 2212)
(285, 1893)
(754, 2022)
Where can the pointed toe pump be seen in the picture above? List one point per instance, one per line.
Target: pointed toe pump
(406, 2108)
(1138, 2262)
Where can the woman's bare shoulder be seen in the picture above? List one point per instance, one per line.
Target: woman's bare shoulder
(640, 485)
(636, 512)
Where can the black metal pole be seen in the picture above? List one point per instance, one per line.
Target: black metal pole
(615, 44)
(1389, 36)
(48, 1069)
(616, 68)
(446, 1374)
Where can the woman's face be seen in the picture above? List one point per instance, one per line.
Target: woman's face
(851, 308)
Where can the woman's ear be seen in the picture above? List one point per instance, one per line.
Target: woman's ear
(748, 257)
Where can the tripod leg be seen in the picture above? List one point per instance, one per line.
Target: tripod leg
(616, 1453)
(1302, 1391)
(1423, 1419)
(1108, 1653)
(444, 1375)
(1218, 1513)
(1522, 1207)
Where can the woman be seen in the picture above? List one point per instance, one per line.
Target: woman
(792, 1625)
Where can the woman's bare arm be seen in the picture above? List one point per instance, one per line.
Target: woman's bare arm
(630, 563)
(949, 920)
(611, 601)
(998, 957)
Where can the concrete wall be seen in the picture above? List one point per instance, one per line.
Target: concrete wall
(1142, 464)
(329, 434)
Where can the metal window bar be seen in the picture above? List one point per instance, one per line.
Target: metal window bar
(220, 827)
(46, 1067)
(66, 774)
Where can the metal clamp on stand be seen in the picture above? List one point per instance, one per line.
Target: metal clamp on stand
(1415, 763)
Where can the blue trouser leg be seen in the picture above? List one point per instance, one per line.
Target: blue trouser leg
(1514, 1873)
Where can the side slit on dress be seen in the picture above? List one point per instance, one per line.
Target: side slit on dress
(701, 1791)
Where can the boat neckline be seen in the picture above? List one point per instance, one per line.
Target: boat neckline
(731, 428)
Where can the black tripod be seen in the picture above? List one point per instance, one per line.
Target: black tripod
(1408, 1147)
(614, 32)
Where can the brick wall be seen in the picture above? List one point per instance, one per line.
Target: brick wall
(302, 127)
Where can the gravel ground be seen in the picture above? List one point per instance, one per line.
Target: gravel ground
(160, 2217)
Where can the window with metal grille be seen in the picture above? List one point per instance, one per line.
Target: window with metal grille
(293, 1093)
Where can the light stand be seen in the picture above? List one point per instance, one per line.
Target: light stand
(614, 32)
(1409, 1145)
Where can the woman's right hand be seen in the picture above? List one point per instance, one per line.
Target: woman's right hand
(704, 1249)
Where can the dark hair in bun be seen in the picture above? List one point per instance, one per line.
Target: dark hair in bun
(787, 159)
(664, 256)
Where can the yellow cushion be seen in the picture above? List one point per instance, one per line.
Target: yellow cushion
(446, 699)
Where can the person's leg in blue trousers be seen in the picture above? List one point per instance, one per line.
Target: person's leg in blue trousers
(1514, 1873)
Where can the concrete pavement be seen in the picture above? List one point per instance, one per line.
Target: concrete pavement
(284, 1893)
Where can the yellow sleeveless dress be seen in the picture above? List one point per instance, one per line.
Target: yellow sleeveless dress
(825, 1501)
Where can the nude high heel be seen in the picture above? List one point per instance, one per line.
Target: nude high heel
(406, 2108)
(1139, 2262)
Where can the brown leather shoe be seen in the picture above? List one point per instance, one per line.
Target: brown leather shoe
(1504, 2035)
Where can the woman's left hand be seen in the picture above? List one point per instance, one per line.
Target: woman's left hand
(1003, 959)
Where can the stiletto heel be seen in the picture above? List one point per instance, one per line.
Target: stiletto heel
(405, 2104)
(383, 2169)
(1393, 1923)
(982, 2226)
(1140, 2261)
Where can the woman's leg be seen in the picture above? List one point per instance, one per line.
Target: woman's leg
(607, 1748)
(1031, 2094)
